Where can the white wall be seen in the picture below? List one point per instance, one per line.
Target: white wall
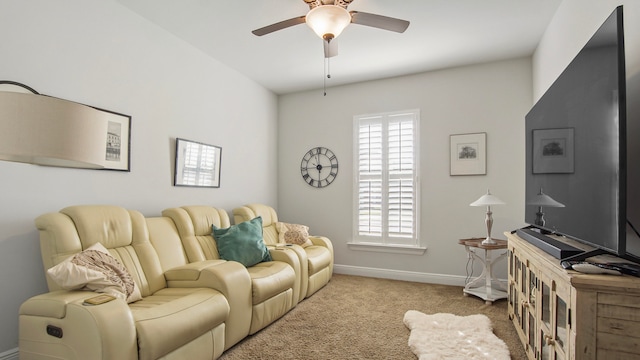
(101, 54)
(491, 98)
(572, 26)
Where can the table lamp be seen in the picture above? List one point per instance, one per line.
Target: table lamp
(488, 200)
(541, 200)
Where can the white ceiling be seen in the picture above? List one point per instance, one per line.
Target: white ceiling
(442, 34)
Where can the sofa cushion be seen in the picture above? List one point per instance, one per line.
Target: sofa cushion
(242, 242)
(293, 234)
(95, 269)
(269, 279)
(173, 317)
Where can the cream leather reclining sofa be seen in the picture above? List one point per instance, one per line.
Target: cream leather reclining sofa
(194, 305)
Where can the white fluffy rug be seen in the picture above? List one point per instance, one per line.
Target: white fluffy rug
(447, 336)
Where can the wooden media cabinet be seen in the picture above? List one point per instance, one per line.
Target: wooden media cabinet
(562, 314)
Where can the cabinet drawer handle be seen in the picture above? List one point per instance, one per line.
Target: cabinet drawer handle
(549, 340)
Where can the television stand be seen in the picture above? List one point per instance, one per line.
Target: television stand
(567, 314)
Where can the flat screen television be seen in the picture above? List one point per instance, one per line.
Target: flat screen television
(579, 147)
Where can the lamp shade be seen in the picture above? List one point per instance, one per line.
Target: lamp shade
(328, 21)
(542, 199)
(487, 200)
(43, 130)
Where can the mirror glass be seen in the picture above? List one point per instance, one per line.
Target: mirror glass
(197, 164)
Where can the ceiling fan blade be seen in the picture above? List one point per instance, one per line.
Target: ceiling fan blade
(279, 26)
(379, 21)
(330, 48)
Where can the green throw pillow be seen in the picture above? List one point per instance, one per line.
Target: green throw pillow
(242, 242)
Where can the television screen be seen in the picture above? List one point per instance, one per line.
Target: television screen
(576, 148)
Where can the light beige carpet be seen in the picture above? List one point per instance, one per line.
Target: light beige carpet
(445, 336)
(361, 318)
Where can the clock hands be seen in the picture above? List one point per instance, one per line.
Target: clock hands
(317, 166)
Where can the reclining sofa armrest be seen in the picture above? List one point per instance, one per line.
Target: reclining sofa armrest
(325, 242)
(190, 272)
(288, 255)
(77, 331)
(228, 277)
(322, 241)
(53, 304)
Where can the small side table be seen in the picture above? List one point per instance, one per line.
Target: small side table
(486, 286)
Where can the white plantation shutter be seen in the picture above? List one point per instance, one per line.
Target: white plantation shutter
(386, 178)
(370, 178)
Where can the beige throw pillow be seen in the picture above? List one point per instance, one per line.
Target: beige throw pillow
(96, 270)
(293, 234)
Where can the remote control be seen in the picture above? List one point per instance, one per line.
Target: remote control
(568, 264)
(588, 268)
(627, 268)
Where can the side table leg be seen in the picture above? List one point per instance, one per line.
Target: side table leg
(500, 285)
(477, 282)
(488, 265)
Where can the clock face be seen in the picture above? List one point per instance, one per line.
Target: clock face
(319, 167)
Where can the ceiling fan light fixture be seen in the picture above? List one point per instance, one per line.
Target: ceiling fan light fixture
(328, 21)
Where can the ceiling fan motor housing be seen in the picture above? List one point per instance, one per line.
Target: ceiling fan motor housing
(343, 3)
(315, 3)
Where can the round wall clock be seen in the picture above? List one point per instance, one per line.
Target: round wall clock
(319, 167)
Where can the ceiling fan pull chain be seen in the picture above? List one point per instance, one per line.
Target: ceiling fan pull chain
(327, 73)
(324, 78)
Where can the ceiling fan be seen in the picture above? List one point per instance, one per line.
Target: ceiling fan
(328, 18)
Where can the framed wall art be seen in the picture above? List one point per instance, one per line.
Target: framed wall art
(468, 154)
(197, 164)
(46, 130)
(553, 151)
(118, 144)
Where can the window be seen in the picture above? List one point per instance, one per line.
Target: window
(386, 179)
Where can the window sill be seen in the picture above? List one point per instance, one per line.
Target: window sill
(393, 249)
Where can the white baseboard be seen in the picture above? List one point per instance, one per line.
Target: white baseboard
(9, 355)
(430, 278)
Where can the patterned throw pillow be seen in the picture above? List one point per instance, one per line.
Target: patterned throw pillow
(293, 234)
(96, 270)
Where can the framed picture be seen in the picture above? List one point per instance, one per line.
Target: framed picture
(197, 164)
(553, 151)
(117, 148)
(468, 154)
(89, 137)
